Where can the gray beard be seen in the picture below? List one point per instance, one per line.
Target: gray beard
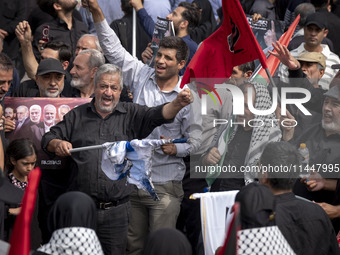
(331, 127)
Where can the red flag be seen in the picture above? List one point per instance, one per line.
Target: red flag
(231, 45)
(20, 239)
(273, 62)
(230, 243)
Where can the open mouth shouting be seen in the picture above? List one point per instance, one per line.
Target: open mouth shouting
(160, 68)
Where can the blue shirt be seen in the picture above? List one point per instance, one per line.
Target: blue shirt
(160, 8)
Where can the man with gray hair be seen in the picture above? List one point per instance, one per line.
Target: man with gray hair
(323, 142)
(107, 120)
(62, 110)
(6, 74)
(22, 117)
(35, 113)
(22, 122)
(6, 78)
(86, 42)
(84, 69)
(40, 128)
(49, 114)
(152, 86)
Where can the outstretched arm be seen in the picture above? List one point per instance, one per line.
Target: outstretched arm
(24, 35)
(112, 48)
(183, 99)
(94, 7)
(147, 22)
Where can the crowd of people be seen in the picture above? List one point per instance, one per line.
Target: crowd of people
(69, 78)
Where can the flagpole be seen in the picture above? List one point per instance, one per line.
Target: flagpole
(273, 83)
(134, 27)
(85, 148)
(96, 147)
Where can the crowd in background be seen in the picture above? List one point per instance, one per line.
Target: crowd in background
(67, 49)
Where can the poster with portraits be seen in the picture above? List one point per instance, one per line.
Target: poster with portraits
(163, 28)
(34, 117)
(266, 31)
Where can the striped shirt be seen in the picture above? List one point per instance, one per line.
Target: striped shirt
(331, 59)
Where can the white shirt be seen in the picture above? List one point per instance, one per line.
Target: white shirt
(331, 59)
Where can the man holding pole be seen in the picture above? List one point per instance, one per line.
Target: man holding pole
(152, 86)
(107, 120)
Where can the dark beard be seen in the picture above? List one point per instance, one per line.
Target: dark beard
(176, 30)
(69, 7)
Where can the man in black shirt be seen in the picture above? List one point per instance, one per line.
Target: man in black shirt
(106, 119)
(49, 81)
(245, 143)
(323, 142)
(64, 27)
(304, 224)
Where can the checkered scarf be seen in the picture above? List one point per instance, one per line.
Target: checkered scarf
(73, 240)
(261, 136)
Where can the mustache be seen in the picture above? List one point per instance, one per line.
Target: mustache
(107, 97)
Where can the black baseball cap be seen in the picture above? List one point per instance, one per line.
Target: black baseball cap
(50, 65)
(316, 18)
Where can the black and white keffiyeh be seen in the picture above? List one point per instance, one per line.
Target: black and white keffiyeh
(74, 240)
(265, 240)
(268, 132)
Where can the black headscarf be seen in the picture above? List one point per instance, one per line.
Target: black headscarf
(73, 209)
(207, 22)
(167, 242)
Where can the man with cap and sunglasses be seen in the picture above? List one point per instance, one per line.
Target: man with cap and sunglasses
(49, 81)
(315, 30)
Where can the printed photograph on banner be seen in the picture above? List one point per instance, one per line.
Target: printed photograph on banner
(163, 28)
(266, 31)
(33, 117)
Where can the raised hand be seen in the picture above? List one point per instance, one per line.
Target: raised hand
(184, 97)
(283, 54)
(23, 32)
(147, 54)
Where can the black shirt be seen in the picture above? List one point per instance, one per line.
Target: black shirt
(11, 13)
(30, 88)
(305, 225)
(323, 150)
(123, 29)
(298, 79)
(58, 31)
(235, 157)
(83, 126)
